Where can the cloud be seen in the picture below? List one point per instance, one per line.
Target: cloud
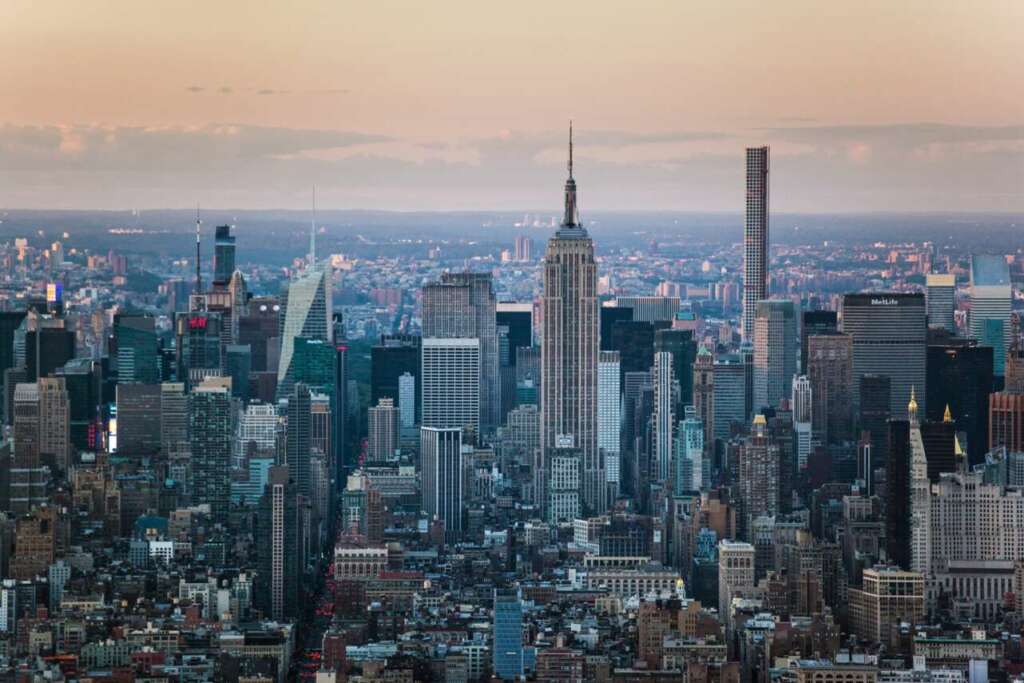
(814, 168)
(159, 148)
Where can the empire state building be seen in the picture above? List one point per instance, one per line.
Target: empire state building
(569, 359)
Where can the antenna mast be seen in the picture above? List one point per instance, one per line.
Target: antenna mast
(199, 277)
(312, 232)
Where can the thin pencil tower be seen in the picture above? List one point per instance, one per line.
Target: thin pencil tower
(199, 277)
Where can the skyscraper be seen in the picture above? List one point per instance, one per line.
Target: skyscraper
(960, 376)
(138, 419)
(650, 309)
(210, 435)
(508, 634)
(28, 476)
(704, 394)
(278, 547)
(802, 399)
(920, 506)
(755, 237)
(898, 494)
(394, 356)
(889, 332)
(774, 352)
(462, 305)
(570, 346)
(523, 248)
(198, 346)
(690, 454)
(173, 419)
(758, 477)
(299, 439)
(441, 472)
(991, 297)
(138, 352)
(735, 575)
(662, 378)
(875, 413)
(729, 391)
(305, 312)
(54, 423)
(609, 415)
(406, 402)
(223, 255)
(830, 371)
(681, 345)
(815, 322)
(382, 430)
(450, 385)
(49, 344)
(941, 300)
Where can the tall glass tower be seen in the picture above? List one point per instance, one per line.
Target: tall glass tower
(508, 635)
(306, 312)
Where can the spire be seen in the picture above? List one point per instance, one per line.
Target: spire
(570, 149)
(312, 231)
(948, 415)
(571, 219)
(199, 277)
(912, 406)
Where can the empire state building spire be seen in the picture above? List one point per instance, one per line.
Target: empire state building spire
(571, 219)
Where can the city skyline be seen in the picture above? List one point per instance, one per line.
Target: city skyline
(321, 445)
(665, 100)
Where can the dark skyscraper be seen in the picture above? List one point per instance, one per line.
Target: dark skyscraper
(520, 326)
(610, 315)
(634, 340)
(223, 255)
(278, 548)
(830, 370)
(9, 322)
(960, 376)
(939, 439)
(137, 349)
(394, 356)
(874, 413)
(889, 333)
(259, 330)
(138, 419)
(298, 438)
(198, 345)
(815, 322)
(48, 346)
(755, 237)
(209, 414)
(681, 345)
(897, 487)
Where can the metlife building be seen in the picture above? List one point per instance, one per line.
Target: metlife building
(889, 333)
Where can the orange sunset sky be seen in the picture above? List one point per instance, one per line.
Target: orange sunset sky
(868, 106)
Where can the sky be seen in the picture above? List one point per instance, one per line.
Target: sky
(449, 105)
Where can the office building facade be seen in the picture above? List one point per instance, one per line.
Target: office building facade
(755, 237)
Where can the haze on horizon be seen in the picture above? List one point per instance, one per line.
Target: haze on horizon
(868, 106)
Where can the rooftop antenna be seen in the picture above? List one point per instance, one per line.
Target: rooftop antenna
(312, 232)
(570, 148)
(199, 277)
